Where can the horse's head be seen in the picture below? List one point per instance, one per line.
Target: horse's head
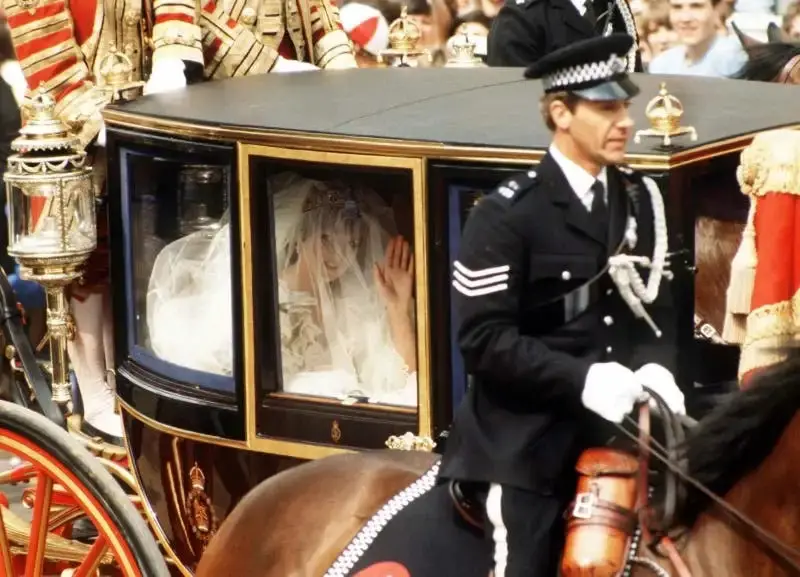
(777, 60)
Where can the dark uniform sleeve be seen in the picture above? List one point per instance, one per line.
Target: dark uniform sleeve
(513, 40)
(489, 280)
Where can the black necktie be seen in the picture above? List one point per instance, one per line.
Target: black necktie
(599, 209)
(590, 14)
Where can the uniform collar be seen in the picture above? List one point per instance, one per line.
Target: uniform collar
(580, 180)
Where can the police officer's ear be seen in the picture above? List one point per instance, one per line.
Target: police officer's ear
(561, 113)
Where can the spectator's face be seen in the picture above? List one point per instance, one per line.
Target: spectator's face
(794, 28)
(661, 39)
(694, 21)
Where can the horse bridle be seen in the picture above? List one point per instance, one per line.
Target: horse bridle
(674, 425)
(786, 73)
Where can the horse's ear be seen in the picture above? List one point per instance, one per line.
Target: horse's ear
(747, 41)
(776, 35)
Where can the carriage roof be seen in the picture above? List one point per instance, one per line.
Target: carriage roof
(441, 109)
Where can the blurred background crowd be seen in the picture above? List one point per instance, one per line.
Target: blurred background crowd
(667, 28)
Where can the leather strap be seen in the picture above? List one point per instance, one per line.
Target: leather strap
(644, 487)
(785, 554)
(785, 76)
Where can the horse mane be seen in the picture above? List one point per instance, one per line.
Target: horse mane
(740, 432)
(766, 61)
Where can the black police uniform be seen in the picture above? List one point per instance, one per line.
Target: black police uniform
(536, 308)
(526, 30)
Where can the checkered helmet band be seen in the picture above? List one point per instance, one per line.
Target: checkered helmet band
(585, 73)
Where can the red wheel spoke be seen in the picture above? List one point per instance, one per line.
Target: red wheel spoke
(41, 509)
(92, 561)
(5, 550)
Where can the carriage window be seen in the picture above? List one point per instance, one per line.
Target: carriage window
(179, 251)
(343, 263)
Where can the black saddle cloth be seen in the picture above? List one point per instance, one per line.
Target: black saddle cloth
(427, 539)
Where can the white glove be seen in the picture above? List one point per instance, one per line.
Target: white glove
(167, 74)
(611, 390)
(101, 136)
(663, 384)
(283, 65)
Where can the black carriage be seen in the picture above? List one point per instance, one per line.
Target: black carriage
(210, 404)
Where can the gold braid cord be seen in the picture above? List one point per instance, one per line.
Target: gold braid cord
(763, 300)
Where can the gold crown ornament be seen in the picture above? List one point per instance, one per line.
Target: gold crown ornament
(404, 35)
(464, 56)
(664, 113)
(116, 72)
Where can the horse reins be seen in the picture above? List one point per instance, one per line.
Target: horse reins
(786, 74)
(648, 446)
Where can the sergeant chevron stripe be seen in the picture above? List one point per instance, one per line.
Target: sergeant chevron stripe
(474, 283)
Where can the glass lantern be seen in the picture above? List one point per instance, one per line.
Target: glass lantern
(50, 196)
(51, 225)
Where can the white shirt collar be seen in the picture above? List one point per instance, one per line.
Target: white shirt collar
(580, 180)
(580, 6)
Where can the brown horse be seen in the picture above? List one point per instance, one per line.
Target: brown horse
(748, 449)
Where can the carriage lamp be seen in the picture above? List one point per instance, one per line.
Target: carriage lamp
(404, 35)
(51, 224)
(464, 53)
(664, 113)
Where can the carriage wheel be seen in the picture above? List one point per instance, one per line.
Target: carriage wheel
(62, 472)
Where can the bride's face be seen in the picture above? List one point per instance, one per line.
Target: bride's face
(333, 252)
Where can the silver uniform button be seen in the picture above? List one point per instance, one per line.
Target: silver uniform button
(566, 275)
(609, 291)
(609, 349)
(608, 320)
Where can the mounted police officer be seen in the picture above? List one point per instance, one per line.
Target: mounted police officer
(554, 313)
(526, 30)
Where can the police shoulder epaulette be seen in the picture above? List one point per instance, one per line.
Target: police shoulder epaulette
(515, 187)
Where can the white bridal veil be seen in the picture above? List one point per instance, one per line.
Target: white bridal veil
(333, 325)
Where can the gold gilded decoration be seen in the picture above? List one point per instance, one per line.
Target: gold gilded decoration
(29, 5)
(404, 35)
(336, 432)
(664, 113)
(51, 245)
(199, 511)
(410, 442)
(116, 71)
(771, 164)
(464, 53)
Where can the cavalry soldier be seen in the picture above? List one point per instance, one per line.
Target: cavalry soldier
(526, 30)
(249, 37)
(550, 306)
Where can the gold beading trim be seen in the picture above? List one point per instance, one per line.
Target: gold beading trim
(771, 164)
(769, 329)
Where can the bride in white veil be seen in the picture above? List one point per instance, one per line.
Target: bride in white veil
(345, 296)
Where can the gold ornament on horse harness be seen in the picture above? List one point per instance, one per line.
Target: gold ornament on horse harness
(410, 442)
(404, 35)
(199, 511)
(664, 113)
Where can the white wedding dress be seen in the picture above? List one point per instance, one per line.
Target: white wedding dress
(335, 339)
